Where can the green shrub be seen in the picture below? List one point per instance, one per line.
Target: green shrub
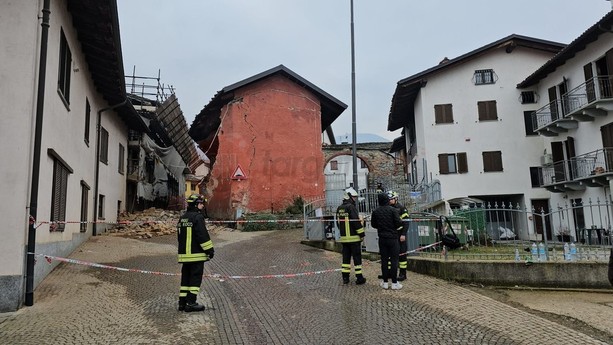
(259, 222)
(297, 207)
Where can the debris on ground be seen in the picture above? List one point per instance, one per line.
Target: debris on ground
(149, 223)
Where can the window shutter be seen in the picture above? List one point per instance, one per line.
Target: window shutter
(438, 113)
(63, 192)
(492, 111)
(487, 110)
(442, 163)
(492, 161)
(55, 195)
(482, 109)
(443, 113)
(462, 163)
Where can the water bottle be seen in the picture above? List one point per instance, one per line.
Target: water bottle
(542, 254)
(517, 258)
(534, 252)
(566, 252)
(573, 252)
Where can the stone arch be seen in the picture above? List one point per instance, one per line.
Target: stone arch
(348, 153)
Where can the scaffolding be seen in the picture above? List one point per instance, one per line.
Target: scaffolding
(148, 88)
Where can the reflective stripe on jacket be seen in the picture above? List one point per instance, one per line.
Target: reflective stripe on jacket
(193, 238)
(351, 228)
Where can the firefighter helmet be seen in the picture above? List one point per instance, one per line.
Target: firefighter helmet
(349, 192)
(195, 199)
(392, 195)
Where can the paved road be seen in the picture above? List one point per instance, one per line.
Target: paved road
(84, 305)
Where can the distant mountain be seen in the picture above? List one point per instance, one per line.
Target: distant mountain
(362, 138)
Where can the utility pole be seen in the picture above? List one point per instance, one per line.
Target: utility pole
(353, 126)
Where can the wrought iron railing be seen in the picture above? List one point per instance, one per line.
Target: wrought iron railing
(579, 167)
(595, 89)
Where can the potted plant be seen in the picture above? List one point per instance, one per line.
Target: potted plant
(563, 234)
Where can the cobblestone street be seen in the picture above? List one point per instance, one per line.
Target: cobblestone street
(78, 304)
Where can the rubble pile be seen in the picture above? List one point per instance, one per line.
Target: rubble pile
(146, 224)
(150, 223)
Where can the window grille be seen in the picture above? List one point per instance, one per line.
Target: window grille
(484, 76)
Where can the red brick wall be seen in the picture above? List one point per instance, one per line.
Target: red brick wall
(273, 131)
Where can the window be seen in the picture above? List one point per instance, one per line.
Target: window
(333, 165)
(84, 198)
(59, 191)
(528, 97)
(101, 206)
(452, 163)
(484, 76)
(65, 69)
(536, 176)
(492, 161)
(104, 146)
(121, 159)
(443, 113)
(88, 111)
(362, 164)
(487, 110)
(192, 186)
(529, 123)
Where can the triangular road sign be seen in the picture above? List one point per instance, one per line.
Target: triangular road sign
(239, 174)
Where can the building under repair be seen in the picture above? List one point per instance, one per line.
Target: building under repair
(159, 161)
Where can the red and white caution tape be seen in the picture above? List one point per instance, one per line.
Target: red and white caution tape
(49, 258)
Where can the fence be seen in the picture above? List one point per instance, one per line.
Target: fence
(500, 230)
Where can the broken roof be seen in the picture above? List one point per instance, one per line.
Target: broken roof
(407, 89)
(170, 115)
(331, 107)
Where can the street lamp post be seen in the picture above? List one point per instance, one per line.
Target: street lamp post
(353, 126)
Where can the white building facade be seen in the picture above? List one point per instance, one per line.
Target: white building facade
(466, 125)
(82, 170)
(574, 117)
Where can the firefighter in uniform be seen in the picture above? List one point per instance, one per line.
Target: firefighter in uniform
(404, 216)
(195, 248)
(386, 220)
(351, 235)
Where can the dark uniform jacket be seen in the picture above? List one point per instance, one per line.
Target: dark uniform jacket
(194, 241)
(404, 216)
(386, 219)
(350, 226)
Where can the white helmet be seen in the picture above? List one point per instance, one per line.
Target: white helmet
(349, 192)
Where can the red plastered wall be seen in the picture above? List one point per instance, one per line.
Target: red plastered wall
(272, 130)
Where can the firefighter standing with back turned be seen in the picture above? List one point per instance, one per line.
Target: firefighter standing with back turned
(352, 233)
(404, 216)
(195, 248)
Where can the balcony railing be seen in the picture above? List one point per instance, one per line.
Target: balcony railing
(579, 168)
(573, 102)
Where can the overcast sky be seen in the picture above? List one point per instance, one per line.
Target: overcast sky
(201, 46)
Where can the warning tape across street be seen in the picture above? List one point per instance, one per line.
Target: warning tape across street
(208, 221)
(50, 258)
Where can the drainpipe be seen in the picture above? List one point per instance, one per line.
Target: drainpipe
(97, 178)
(38, 133)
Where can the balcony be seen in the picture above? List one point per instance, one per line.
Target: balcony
(134, 138)
(592, 99)
(133, 170)
(593, 169)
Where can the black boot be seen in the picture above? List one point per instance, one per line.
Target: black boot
(191, 304)
(181, 303)
(360, 280)
(403, 275)
(189, 307)
(345, 278)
